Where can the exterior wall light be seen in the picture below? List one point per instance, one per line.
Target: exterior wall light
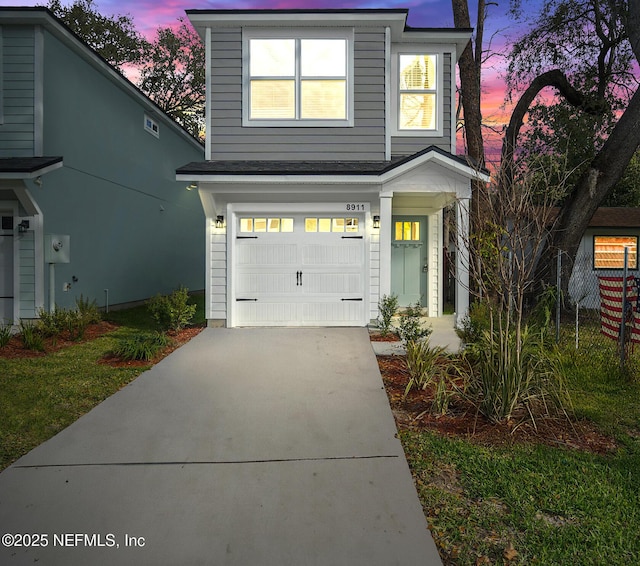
(376, 222)
(192, 186)
(23, 226)
(219, 221)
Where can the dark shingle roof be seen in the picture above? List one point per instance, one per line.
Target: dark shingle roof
(26, 164)
(307, 167)
(615, 217)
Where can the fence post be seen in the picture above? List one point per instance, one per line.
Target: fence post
(558, 294)
(623, 319)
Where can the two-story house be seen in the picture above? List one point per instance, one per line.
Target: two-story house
(330, 157)
(89, 201)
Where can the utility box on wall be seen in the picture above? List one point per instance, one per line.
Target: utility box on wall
(57, 248)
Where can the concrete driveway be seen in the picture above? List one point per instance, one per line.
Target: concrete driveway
(244, 447)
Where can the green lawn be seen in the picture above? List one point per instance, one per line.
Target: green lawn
(41, 396)
(533, 504)
(524, 504)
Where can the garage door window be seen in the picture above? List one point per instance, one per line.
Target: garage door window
(312, 224)
(266, 225)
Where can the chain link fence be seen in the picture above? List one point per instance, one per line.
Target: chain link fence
(597, 317)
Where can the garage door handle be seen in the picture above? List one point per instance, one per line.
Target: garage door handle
(351, 299)
(352, 237)
(245, 300)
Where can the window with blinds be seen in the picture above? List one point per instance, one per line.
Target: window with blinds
(298, 79)
(417, 92)
(608, 252)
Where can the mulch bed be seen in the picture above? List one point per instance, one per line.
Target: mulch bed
(177, 339)
(376, 336)
(15, 348)
(462, 420)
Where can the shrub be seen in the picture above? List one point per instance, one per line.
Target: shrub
(516, 375)
(88, 311)
(73, 322)
(31, 336)
(141, 347)
(52, 323)
(421, 363)
(411, 329)
(433, 365)
(475, 323)
(5, 334)
(172, 312)
(388, 306)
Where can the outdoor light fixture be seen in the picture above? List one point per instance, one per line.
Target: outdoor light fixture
(23, 226)
(376, 221)
(192, 186)
(219, 221)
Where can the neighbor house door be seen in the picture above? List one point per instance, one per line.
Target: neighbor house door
(6, 268)
(409, 259)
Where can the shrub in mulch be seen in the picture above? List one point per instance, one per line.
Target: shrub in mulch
(462, 418)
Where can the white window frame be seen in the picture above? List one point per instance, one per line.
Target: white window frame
(412, 49)
(311, 33)
(154, 131)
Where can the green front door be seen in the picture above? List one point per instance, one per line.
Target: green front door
(409, 259)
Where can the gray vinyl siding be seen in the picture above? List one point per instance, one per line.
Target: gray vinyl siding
(17, 67)
(229, 140)
(409, 145)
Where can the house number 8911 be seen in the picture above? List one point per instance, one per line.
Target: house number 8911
(356, 207)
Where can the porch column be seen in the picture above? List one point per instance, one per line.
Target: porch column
(385, 245)
(462, 260)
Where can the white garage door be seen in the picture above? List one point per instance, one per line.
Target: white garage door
(299, 271)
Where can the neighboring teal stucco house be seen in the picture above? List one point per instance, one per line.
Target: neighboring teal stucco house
(87, 162)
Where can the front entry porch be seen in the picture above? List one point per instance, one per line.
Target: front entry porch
(443, 335)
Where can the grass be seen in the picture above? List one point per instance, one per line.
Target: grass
(41, 396)
(531, 504)
(535, 504)
(525, 504)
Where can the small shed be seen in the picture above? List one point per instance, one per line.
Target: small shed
(601, 253)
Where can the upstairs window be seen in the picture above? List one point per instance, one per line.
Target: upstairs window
(297, 81)
(418, 84)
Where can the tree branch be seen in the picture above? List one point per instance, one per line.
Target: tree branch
(557, 80)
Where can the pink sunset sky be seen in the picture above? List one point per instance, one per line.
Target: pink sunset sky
(148, 15)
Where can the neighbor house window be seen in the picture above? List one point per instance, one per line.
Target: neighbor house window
(151, 126)
(291, 80)
(608, 252)
(418, 84)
